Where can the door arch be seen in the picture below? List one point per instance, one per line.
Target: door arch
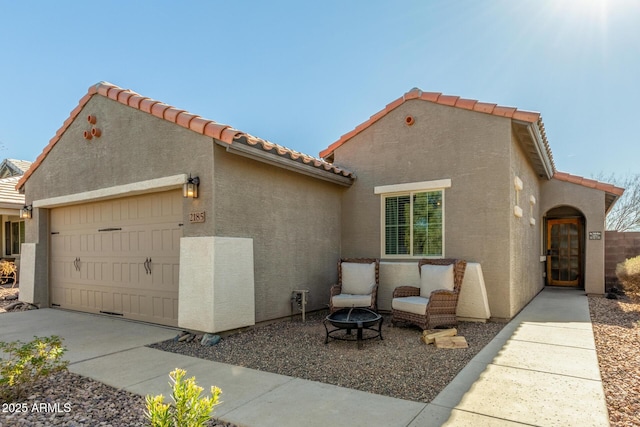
(564, 240)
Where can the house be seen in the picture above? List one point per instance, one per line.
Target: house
(116, 229)
(11, 202)
(444, 176)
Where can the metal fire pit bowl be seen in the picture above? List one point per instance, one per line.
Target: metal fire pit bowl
(353, 318)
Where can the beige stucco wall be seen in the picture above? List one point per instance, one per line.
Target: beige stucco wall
(217, 291)
(526, 246)
(294, 221)
(471, 149)
(134, 147)
(591, 203)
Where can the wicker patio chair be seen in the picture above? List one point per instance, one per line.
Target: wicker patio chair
(440, 304)
(357, 284)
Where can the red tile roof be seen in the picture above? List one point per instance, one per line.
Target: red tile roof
(451, 101)
(210, 128)
(590, 183)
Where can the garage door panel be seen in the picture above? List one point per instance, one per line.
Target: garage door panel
(114, 274)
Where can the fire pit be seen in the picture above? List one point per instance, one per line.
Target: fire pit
(353, 318)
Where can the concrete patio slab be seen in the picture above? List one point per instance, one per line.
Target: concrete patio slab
(313, 404)
(540, 333)
(553, 359)
(451, 395)
(431, 415)
(536, 398)
(240, 386)
(85, 335)
(468, 419)
(130, 367)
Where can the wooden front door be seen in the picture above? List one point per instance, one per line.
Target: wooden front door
(564, 252)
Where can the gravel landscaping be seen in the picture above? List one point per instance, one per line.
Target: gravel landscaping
(418, 372)
(398, 366)
(616, 329)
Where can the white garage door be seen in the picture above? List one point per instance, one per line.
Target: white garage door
(119, 257)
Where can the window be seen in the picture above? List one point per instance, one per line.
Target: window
(413, 224)
(15, 238)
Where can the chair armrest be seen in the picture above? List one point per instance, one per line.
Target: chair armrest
(406, 291)
(335, 290)
(443, 299)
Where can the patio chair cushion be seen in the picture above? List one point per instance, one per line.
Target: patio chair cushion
(358, 278)
(347, 300)
(415, 305)
(435, 277)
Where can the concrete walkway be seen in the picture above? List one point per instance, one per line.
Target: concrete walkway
(541, 370)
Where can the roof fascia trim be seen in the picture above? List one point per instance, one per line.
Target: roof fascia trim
(132, 189)
(6, 209)
(261, 156)
(536, 136)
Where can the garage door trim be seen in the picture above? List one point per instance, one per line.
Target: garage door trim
(132, 189)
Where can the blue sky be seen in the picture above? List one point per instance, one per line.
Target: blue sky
(303, 73)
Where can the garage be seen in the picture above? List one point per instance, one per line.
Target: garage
(118, 257)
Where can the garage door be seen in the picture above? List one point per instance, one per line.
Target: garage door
(119, 257)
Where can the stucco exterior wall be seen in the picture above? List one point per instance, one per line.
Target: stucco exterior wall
(471, 149)
(294, 222)
(591, 203)
(134, 146)
(526, 244)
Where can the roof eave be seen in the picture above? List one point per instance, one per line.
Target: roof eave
(274, 160)
(541, 149)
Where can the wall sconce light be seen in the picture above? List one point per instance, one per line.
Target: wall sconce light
(190, 188)
(25, 212)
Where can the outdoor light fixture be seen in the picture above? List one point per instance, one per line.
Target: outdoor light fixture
(190, 188)
(25, 212)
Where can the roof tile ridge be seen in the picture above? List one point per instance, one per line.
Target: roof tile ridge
(293, 154)
(588, 182)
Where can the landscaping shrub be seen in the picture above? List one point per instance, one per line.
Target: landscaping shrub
(8, 271)
(628, 273)
(23, 364)
(188, 409)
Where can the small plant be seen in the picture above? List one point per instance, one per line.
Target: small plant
(188, 409)
(628, 273)
(23, 364)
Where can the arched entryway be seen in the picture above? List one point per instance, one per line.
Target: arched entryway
(565, 247)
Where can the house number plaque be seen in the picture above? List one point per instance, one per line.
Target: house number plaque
(196, 217)
(595, 235)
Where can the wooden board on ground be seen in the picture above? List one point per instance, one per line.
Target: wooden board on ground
(429, 336)
(451, 342)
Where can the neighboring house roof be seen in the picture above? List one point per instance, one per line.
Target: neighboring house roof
(12, 167)
(612, 193)
(10, 198)
(234, 139)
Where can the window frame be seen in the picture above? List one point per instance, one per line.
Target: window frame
(21, 237)
(410, 189)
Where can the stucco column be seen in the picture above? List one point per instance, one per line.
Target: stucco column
(34, 260)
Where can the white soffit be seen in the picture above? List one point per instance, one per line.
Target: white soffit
(413, 186)
(140, 187)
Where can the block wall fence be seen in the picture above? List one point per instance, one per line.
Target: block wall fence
(618, 247)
